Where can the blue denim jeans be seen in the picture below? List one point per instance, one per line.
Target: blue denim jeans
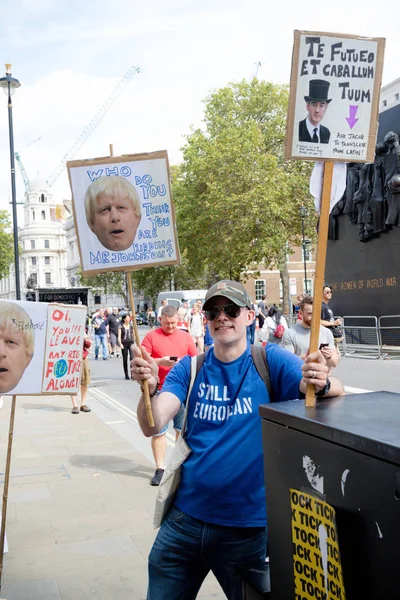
(186, 549)
(100, 339)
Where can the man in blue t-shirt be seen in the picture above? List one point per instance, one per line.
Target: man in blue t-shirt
(218, 519)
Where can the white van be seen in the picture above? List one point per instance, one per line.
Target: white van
(177, 297)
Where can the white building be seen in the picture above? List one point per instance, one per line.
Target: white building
(390, 95)
(42, 239)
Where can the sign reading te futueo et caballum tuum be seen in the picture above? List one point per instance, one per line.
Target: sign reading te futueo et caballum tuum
(334, 96)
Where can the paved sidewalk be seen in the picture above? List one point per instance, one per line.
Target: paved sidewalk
(79, 520)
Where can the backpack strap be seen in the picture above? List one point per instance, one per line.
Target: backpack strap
(259, 356)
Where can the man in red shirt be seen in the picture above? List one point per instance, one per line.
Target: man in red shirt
(167, 345)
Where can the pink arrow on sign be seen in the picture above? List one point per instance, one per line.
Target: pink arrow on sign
(352, 118)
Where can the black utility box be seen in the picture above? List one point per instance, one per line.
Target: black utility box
(344, 453)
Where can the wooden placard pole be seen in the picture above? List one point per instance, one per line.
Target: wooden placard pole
(320, 268)
(6, 484)
(146, 394)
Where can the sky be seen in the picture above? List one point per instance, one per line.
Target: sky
(70, 55)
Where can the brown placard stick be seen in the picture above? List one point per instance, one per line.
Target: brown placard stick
(6, 484)
(320, 268)
(145, 384)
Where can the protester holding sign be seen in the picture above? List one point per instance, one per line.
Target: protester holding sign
(218, 519)
(85, 380)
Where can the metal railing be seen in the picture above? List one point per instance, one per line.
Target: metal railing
(367, 336)
(361, 337)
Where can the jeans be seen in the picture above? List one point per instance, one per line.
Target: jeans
(100, 339)
(186, 549)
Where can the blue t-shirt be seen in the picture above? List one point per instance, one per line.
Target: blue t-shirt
(222, 480)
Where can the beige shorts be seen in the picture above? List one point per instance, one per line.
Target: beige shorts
(85, 380)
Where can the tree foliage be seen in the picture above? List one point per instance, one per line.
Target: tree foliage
(6, 244)
(111, 282)
(237, 199)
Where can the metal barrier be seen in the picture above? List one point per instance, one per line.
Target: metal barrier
(361, 337)
(389, 332)
(367, 337)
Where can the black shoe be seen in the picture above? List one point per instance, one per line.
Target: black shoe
(96, 358)
(157, 477)
(105, 358)
(127, 377)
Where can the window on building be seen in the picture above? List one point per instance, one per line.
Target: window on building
(384, 103)
(306, 253)
(47, 278)
(308, 286)
(260, 289)
(33, 261)
(47, 260)
(47, 243)
(43, 215)
(32, 244)
(397, 97)
(33, 215)
(97, 299)
(42, 198)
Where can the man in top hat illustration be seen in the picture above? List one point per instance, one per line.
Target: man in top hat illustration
(310, 129)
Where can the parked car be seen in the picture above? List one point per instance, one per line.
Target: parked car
(141, 318)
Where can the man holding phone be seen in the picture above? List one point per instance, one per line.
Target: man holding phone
(296, 339)
(167, 345)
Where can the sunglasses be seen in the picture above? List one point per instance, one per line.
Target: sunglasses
(230, 310)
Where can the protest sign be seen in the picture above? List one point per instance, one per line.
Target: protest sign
(334, 96)
(316, 557)
(22, 338)
(29, 344)
(123, 211)
(63, 354)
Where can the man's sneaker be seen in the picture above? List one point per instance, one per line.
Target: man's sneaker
(118, 355)
(157, 477)
(96, 358)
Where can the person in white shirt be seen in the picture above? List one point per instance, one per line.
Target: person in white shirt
(274, 326)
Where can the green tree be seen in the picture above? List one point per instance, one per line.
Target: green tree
(111, 282)
(236, 197)
(6, 244)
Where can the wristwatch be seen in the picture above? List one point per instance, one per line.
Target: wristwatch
(325, 389)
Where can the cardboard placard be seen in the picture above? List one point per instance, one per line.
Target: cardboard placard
(32, 355)
(63, 353)
(123, 211)
(334, 97)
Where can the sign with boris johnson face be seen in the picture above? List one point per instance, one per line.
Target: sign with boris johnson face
(123, 211)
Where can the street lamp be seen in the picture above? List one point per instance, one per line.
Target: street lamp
(9, 85)
(303, 214)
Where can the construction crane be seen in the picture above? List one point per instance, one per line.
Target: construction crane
(92, 124)
(256, 68)
(21, 166)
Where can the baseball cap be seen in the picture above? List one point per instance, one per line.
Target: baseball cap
(233, 290)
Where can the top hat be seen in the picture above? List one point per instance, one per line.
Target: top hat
(318, 91)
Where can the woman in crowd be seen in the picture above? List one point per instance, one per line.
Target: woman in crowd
(196, 328)
(126, 340)
(274, 326)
